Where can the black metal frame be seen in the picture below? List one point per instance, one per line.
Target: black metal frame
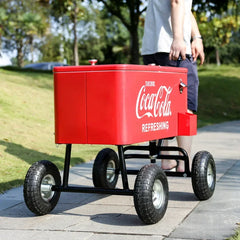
(154, 150)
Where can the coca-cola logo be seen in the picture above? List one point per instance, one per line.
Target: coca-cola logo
(152, 103)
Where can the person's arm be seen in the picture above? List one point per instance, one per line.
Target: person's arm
(178, 46)
(197, 44)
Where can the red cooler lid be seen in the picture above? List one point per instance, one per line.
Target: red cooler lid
(119, 67)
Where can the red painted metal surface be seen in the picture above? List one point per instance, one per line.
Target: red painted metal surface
(120, 104)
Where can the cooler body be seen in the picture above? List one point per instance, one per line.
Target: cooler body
(120, 104)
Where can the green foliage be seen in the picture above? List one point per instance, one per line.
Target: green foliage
(128, 12)
(3, 18)
(64, 10)
(110, 40)
(102, 36)
(70, 12)
(218, 29)
(50, 49)
(213, 6)
(236, 236)
(110, 31)
(230, 53)
(23, 22)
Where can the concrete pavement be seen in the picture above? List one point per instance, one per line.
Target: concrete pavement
(98, 216)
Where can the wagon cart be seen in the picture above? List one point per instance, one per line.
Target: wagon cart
(121, 105)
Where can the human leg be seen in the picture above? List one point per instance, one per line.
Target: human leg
(184, 142)
(168, 164)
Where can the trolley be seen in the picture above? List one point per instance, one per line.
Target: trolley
(121, 104)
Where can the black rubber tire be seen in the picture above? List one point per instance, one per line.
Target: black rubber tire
(34, 197)
(105, 170)
(148, 178)
(203, 175)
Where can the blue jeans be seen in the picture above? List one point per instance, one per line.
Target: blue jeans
(162, 59)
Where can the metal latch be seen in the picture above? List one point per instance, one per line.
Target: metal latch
(182, 85)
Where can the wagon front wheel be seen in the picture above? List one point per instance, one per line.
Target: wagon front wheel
(151, 194)
(37, 189)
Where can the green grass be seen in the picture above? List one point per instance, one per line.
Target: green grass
(219, 98)
(27, 127)
(27, 118)
(236, 236)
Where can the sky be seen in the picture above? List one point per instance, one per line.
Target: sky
(4, 59)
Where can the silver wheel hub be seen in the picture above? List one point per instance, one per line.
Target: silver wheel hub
(210, 176)
(158, 196)
(46, 187)
(111, 168)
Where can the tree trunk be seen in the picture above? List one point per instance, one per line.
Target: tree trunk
(20, 53)
(134, 46)
(31, 48)
(115, 8)
(75, 44)
(0, 41)
(134, 22)
(218, 57)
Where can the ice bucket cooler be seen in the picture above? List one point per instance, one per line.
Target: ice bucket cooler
(120, 104)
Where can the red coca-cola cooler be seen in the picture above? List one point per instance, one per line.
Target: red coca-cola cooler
(120, 104)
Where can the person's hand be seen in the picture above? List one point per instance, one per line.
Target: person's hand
(197, 50)
(178, 48)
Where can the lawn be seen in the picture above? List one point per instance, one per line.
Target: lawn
(236, 236)
(27, 118)
(219, 98)
(27, 127)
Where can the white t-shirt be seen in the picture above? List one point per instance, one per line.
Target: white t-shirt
(158, 34)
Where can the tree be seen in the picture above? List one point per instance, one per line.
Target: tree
(24, 22)
(215, 6)
(69, 12)
(116, 38)
(230, 53)
(129, 12)
(218, 33)
(32, 26)
(51, 49)
(111, 36)
(3, 18)
(218, 29)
